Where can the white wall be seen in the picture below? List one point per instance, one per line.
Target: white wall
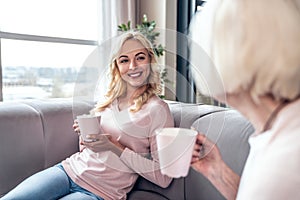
(164, 14)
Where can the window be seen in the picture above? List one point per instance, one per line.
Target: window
(43, 45)
(186, 90)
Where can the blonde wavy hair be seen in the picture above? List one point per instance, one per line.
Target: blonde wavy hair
(256, 47)
(117, 87)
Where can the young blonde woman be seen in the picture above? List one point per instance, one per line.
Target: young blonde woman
(109, 167)
(255, 48)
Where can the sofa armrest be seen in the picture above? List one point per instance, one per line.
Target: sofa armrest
(34, 135)
(21, 144)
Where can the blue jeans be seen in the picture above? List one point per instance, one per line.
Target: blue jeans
(52, 183)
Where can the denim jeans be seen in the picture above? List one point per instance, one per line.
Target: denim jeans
(49, 184)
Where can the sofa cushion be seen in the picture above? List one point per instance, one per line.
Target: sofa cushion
(146, 195)
(59, 138)
(21, 144)
(174, 191)
(230, 131)
(185, 114)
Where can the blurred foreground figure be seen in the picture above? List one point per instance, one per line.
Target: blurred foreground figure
(254, 46)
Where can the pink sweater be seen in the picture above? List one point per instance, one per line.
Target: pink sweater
(112, 177)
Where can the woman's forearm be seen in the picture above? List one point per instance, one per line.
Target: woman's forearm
(148, 168)
(226, 181)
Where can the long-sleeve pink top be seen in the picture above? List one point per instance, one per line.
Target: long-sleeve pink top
(110, 176)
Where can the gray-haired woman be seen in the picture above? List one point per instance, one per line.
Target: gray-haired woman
(255, 47)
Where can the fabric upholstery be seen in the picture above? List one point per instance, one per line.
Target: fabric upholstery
(37, 134)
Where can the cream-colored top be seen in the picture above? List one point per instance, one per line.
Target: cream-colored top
(272, 170)
(112, 177)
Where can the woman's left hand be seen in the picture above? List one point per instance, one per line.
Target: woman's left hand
(104, 142)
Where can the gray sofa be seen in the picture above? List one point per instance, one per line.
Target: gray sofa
(37, 134)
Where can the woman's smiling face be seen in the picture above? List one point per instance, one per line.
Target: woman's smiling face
(134, 63)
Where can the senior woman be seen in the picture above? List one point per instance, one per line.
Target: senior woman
(255, 48)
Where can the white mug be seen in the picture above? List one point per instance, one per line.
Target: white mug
(175, 149)
(89, 124)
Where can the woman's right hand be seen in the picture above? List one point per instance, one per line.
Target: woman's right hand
(206, 156)
(207, 160)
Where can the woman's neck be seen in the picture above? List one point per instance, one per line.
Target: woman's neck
(267, 111)
(127, 99)
(261, 113)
